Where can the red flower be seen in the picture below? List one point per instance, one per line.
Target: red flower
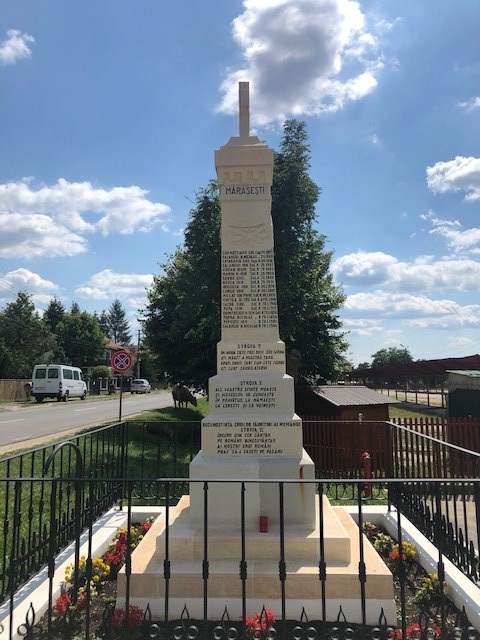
(414, 630)
(260, 623)
(82, 600)
(115, 556)
(63, 603)
(250, 623)
(117, 617)
(270, 617)
(135, 616)
(395, 555)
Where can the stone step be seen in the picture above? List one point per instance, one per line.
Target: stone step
(303, 587)
(300, 542)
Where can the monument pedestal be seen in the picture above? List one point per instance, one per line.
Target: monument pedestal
(303, 589)
(261, 499)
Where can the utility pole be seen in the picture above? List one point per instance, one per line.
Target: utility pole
(138, 354)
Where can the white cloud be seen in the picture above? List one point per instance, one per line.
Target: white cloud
(107, 284)
(457, 239)
(400, 305)
(460, 343)
(11, 283)
(15, 47)
(47, 221)
(461, 174)
(425, 273)
(25, 280)
(469, 105)
(416, 311)
(29, 235)
(362, 267)
(302, 57)
(362, 326)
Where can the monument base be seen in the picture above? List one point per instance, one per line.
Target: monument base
(303, 589)
(261, 498)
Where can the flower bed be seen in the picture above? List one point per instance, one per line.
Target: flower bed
(422, 597)
(90, 589)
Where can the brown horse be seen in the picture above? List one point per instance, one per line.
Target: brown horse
(183, 396)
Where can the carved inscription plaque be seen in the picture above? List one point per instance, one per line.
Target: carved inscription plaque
(249, 298)
(252, 438)
(249, 394)
(251, 356)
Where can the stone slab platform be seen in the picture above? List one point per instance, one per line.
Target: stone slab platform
(263, 587)
(302, 543)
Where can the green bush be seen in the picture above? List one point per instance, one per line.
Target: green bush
(102, 371)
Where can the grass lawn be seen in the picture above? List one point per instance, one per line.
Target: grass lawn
(400, 410)
(410, 410)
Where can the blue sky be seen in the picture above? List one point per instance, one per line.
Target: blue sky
(110, 113)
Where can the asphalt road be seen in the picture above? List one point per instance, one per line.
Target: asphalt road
(25, 425)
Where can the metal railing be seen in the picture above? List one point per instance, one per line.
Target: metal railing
(107, 455)
(313, 619)
(46, 498)
(121, 451)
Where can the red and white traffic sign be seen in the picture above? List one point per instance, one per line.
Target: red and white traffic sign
(121, 361)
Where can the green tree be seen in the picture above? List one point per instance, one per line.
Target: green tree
(24, 338)
(392, 355)
(363, 365)
(308, 300)
(81, 338)
(54, 314)
(115, 322)
(104, 322)
(182, 320)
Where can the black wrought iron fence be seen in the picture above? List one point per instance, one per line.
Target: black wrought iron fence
(134, 615)
(134, 454)
(107, 454)
(129, 448)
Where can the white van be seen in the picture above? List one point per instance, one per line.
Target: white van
(60, 381)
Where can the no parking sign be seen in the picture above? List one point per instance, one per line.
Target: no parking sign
(121, 361)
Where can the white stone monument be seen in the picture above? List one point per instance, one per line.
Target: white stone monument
(251, 431)
(252, 434)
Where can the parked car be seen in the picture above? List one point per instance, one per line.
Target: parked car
(140, 385)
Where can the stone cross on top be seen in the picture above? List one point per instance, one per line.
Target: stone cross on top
(244, 109)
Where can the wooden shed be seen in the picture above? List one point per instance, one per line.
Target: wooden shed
(342, 402)
(342, 423)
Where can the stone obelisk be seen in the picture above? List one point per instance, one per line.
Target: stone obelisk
(251, 431)
(252, 434)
